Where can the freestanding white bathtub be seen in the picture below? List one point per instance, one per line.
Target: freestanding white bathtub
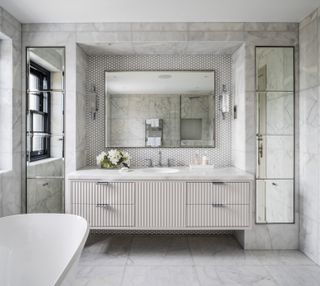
(40, 249)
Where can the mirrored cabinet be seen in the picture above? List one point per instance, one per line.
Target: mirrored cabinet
(275, 134)
(45, 129)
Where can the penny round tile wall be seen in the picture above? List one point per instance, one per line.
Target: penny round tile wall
(220, 155)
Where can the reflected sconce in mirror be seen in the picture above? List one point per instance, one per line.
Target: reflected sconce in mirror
(224, 101)
(93, 99)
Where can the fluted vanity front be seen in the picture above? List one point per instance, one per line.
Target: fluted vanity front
(162, 199)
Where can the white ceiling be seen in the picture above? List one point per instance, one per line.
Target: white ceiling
(68, 11)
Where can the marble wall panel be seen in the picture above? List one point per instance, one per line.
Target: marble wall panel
(309, 124)
(10, 108)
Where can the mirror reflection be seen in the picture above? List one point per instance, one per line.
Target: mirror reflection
(45, 129)
(275, 134)
(159, 109)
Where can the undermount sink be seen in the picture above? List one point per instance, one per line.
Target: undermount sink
(159, 170)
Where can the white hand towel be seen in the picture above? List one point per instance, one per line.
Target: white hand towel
(157, 141)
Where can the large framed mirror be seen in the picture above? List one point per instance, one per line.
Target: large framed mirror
(45, 129)
(275, 92)
(160, 109)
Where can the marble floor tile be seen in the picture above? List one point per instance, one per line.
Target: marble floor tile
(280, 257)
(219, 251)
(160, 250)
(160, 276)
(295, 275)
(99, 275)
(190, 261)
(106, 250)
(234, 275)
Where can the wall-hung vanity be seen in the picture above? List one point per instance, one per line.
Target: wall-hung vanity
(185, 199)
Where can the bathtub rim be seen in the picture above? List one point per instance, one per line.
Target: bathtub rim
(76, 254)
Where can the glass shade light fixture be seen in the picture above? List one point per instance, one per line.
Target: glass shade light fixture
(224, 101)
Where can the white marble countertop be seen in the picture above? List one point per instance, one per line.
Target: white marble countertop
(182, 174)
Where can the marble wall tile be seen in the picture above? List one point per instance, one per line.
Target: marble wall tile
(272, 236)
(10, 29)
(103, 27)
(271, 38)
(162, 27)
(271, 27)
(81, 90)
(103, 37)
(309, 50)
(51, 27)
(309, 120)
(308, 19)
(309, 149)
(238, 124)
(309, 243)
(215, 36)
(309, 184)
(159, 36)
(206, 26)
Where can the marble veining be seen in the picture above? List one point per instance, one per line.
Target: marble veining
(184, 173)
(188, 260)
(309, 136)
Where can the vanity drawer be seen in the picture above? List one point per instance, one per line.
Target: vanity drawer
(218, 193)
(93, 192)
(218, 216)
(106, 216)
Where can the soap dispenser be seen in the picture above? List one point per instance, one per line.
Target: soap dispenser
(205, 159)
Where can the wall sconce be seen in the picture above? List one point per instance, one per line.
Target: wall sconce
(93, 99)
(224, 101)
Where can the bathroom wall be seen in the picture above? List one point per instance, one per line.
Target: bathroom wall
(239, 116)
(81, 87)
(97, 65)
(251, 34)
(10, 115)
(309, 188)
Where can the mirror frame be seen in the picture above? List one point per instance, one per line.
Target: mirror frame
(216, 112)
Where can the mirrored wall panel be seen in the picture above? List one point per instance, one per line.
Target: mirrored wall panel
(159, 109)
(45, 130)
(275, 134)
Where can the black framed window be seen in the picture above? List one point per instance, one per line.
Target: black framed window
(38, 113)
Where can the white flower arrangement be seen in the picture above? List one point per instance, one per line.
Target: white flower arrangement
(113, 159)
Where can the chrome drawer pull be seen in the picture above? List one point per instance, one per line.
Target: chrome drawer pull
(218, 183)
(217, 205)
(102, 183)
(102, 205)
